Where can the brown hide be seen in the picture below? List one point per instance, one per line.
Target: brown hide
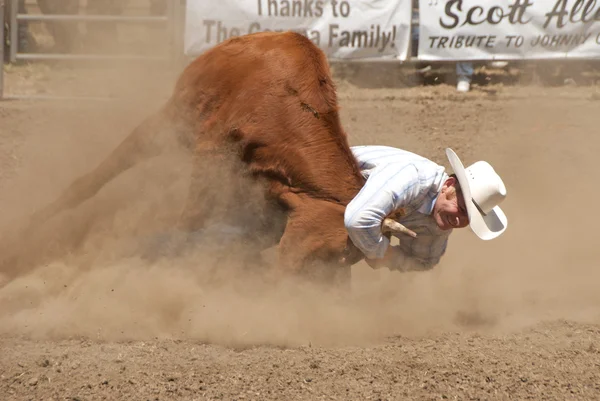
(268, 98)
(272, 94)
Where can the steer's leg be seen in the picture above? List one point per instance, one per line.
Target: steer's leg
(147, 140)
(144, 142)
(314, 240)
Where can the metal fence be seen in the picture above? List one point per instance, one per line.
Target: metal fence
(170, 21)
(2, 42)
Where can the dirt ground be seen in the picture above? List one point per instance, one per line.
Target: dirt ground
(514, 318)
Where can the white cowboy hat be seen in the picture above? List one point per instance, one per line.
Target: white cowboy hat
(483, 191)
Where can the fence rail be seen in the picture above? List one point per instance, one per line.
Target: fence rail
(169, 21)
(2, 42)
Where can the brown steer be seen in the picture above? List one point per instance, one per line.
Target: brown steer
(268, 99)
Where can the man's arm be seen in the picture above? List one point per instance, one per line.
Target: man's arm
(424, 256)
(387, 189)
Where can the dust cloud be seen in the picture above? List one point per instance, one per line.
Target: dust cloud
(96, 271)
(111, 287)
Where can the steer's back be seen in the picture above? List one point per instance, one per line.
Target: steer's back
(272, 95)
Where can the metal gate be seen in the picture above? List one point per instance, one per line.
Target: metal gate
(170, 22)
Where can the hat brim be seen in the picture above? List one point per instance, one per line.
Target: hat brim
(488, 226)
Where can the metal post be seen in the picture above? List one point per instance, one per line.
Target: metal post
(174, 14)
(170, 31)
(2, 49)
(14, 33)
(94, 18)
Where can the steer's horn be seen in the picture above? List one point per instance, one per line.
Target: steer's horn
(393, 226)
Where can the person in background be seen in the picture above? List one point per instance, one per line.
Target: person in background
(464, 70)
(464, 76)
(65, 34)
(104, 34)
(6, 28)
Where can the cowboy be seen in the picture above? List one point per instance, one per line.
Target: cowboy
(420, 195)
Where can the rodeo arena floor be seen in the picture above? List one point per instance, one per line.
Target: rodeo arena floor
(513, 318)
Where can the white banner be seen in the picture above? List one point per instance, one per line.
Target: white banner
(344, 29)
(508, 29)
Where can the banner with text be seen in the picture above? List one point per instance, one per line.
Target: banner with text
(343, 29)
(508, 29)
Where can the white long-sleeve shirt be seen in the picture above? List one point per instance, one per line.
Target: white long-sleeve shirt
(397, 181)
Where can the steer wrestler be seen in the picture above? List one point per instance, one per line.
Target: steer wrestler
(420, 195)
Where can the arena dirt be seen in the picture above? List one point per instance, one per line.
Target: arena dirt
(91, 316)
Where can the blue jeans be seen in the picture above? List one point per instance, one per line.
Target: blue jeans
(464, 70)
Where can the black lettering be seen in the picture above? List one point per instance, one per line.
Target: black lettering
(575, 10)
(285, 9)
(296, 8)
(559, 12)
(254, 27)
(478, 14)
(450, 14)
(272, 8)
(535, 41)
(208, 23)
(545, 40)
(519, 41)
(345, 9)
(334, 7)
(470, 13)
(509, 39)
(495, 11)
(565, 40)
(308, 8)
(221, 32)
(587, 10)
(319, 9)
(361, 37)
(345, 40)
(333, 29)
(388, 38)
(459, 41)
(393, 37)
(517, 12)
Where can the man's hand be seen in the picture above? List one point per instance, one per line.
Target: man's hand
(391, 254)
